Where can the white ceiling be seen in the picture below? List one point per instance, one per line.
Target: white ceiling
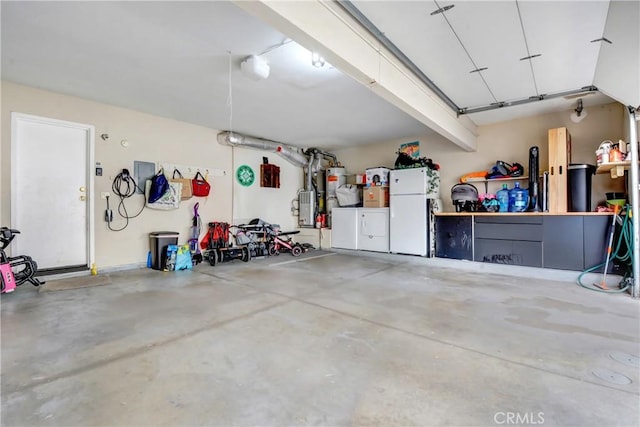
(172, 59)
(495, 35)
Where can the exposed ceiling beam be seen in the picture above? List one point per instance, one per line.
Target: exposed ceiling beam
(325, 27)
(382, 38)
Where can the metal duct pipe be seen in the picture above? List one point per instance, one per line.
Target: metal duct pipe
(291, 154)
(331, 156)
(309, 185)
(235, 140)
(318, 162)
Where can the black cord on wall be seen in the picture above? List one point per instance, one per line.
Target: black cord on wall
(124, 187)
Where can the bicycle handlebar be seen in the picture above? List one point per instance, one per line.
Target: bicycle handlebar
(7, 235)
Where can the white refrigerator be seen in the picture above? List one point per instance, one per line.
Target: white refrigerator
(411, 211)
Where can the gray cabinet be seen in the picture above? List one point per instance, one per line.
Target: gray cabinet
(454, 237)
(567, 242)
(563, 242)
(512, 252)
(509, 240)
(596, 239)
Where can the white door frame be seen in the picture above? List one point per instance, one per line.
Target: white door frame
(90, 129)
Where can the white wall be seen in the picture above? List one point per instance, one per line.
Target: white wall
(152, 139)
(509, 141)
(270, 204)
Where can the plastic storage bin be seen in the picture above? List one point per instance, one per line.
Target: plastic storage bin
(579, 183)
(158, 242)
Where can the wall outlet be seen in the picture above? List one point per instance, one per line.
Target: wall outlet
(105, 194)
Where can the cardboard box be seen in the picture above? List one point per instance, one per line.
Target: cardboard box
(376, 197)
(377, 176)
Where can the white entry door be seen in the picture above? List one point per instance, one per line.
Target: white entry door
(51, 191)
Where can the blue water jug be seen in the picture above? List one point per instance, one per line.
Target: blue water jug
(503, 198)
(518, 199)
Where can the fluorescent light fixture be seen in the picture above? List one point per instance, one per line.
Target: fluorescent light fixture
(317, 60)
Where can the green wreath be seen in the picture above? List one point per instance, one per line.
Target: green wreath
(245, 175)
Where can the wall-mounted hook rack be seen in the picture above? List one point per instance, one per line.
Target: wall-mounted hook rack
(189, 171)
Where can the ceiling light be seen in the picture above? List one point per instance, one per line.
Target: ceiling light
(579, 113)
(317, 60)
(255, 68)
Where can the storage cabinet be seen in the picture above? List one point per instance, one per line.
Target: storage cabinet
(515, 240)
(563, 242)
(596, 239)
(454, 237)
(512, 252)
(567, 242)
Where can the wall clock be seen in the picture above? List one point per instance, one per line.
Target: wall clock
(245, 175)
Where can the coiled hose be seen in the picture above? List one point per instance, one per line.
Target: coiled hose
(626, 236)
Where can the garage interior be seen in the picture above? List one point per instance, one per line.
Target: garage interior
(334, 336)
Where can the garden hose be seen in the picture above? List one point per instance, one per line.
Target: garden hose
(626, 236)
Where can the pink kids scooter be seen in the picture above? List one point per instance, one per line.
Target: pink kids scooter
(25, 266)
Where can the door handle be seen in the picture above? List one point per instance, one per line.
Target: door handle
(83, 198)
(82, 189)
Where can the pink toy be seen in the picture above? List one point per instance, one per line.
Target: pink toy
(15, 270)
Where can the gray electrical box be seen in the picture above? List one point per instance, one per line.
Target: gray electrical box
(142, 171)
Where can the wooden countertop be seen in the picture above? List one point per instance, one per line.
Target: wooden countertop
(521, 213)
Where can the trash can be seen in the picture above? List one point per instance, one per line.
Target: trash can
(579, 183)
(158, 242)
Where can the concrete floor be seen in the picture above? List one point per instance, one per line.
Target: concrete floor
(330, 340)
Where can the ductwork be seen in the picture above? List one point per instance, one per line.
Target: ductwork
(312, 159)
(291, 154)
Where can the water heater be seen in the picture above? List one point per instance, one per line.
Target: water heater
(335, 178)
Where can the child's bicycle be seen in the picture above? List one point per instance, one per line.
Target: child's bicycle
(15, 270)
(277, 244)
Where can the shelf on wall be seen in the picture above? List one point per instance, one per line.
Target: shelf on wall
(616, 169)
(511, 178)
(486, 181)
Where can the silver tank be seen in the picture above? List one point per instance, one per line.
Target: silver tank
(335, 177)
